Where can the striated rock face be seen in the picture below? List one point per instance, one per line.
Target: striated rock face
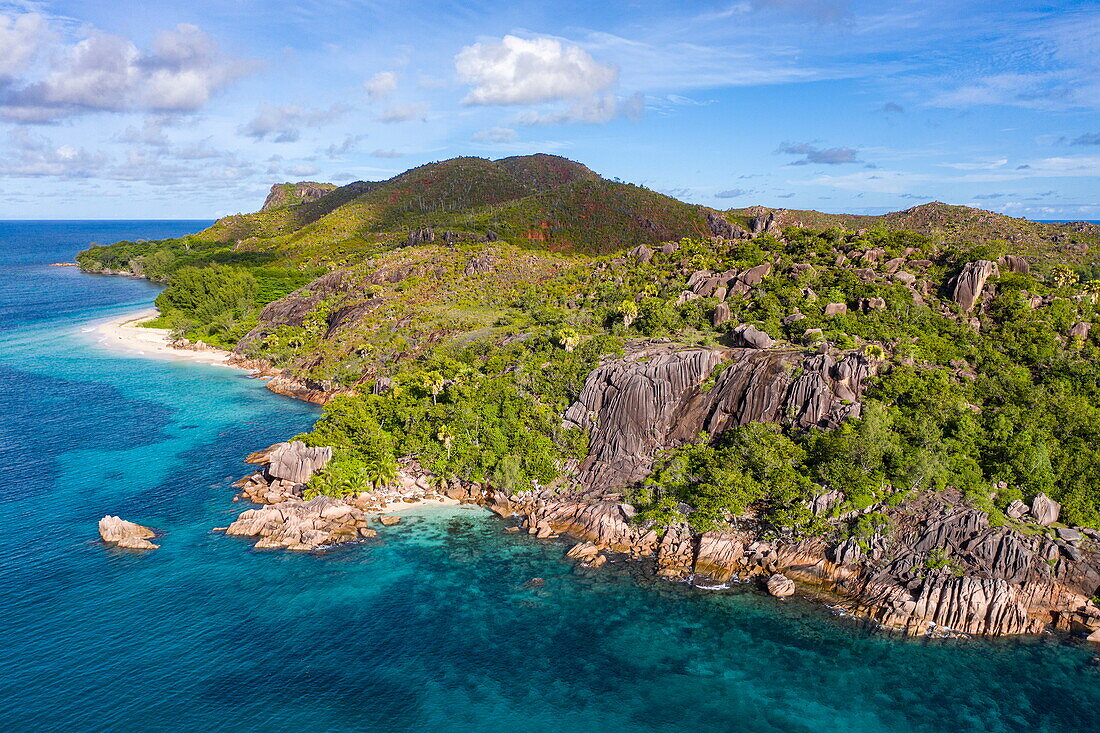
(119, 532)
(1045, 510)
(940, 569)
(301, 525)
(653, 399)
(295, 461)
(971, 281)
(780, 586)
(1014, 263)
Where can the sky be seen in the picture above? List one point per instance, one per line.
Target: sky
(155, 109)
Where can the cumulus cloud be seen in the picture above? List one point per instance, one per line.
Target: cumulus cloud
(1089, 138)
(892, 107)
(594, 111)
(381, 85)
(732, 193)
(825, 156)
(495, 135)
(105, 72)
(404, 113)
(387, 154)
(284, 124)
(20, 38)
(516, 70)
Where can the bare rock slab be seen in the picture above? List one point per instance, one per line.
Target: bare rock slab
(121, 533)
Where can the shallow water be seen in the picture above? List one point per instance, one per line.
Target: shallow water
(434, 625)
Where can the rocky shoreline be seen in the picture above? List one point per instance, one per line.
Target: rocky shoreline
(288, 518)
(942, 570)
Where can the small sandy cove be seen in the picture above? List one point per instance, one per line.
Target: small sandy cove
(125, 334)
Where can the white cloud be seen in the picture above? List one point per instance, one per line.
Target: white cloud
(387, 154)
(594, 111)
(303, 170)
(20, 38)
(986, 165)
(105, 72)
(283, 124)
(405, 112)
(185, 68)
(516, 70)
(32, 156)
(495, 135)
(381, 85)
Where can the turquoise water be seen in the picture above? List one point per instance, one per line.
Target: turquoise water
(436, 625)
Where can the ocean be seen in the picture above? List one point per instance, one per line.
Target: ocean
(445, 622)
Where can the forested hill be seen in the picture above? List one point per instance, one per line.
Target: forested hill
(540, 200)
(468, 302)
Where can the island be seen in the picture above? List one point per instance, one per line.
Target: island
(895, 414)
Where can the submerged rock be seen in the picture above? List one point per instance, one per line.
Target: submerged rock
(118, 531)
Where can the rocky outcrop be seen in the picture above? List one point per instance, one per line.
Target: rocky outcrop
(307, 390)
(780, 586)
(288, 194)
(117, 531)
(1045, 510)
(751, 337)
(939, 567)
(301, 525)
(288, 521)
(654, 399)
(969, 283)
(290, 463)
(722, 227)
(764, 224)
(1014, 263)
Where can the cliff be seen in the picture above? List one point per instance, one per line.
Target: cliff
(657, 397)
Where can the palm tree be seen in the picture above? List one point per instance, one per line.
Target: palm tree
(379, 472)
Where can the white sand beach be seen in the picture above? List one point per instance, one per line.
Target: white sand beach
(124, 333)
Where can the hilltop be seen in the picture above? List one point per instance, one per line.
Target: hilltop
(543, 200)
(945, 222)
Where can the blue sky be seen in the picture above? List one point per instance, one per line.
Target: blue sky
(192, 109)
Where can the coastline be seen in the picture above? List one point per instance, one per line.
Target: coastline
(124, 333)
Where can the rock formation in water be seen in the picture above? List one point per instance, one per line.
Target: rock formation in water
(121, 533)
(939, 568)
(301, 525)
(286, 520)
(658, 397)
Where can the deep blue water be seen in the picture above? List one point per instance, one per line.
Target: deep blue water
(433, 626)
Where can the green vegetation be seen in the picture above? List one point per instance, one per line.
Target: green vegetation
(479, 341)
